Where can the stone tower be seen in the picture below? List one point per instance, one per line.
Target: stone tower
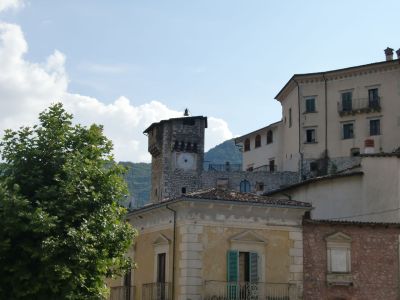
(177, 150)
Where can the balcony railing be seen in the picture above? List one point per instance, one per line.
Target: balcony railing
(266, 168)
(227, 167)
(157, 291)
(220, 290)
(361, 105)
(122, 293)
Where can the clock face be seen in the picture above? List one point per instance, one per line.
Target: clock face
(185, 161)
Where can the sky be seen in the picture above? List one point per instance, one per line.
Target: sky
(128, 63)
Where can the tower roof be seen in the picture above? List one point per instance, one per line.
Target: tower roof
(148, 129)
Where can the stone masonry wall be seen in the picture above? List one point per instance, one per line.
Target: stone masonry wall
(271, 181)
(374, 262)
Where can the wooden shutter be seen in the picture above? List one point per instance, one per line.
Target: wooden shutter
(253, 267)
(232, 265)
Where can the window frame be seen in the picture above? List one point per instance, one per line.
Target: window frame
(352, 135)
(313, 106)
(270, 137)
(257, 141)
(314, 135)
(338, 242)
(247, 146)
(378, 128)
(347, 107)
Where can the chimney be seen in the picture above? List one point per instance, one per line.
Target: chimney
(398, 53)
(389, 53)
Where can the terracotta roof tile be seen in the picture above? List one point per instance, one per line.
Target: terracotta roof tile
(229, 195)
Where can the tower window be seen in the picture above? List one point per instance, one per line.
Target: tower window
(184, 190)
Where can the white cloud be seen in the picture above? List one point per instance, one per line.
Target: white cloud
(10, 4)
(27, 88)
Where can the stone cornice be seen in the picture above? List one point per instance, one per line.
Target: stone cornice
(336, 75)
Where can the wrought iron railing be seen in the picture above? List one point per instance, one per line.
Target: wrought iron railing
(266, 168)
(225, 167)
(221, 290)
(360, 105)
(122, 293)
(157, 291)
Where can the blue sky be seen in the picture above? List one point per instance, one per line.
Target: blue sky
(225, 59)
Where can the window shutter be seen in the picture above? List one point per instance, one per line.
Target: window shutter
(253, 267)
(232, 265)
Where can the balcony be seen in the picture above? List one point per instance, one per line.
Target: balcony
(220, 290)
(157, 291)
(359, 106)
(122, 293)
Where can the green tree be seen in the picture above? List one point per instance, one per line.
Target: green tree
(62, 231)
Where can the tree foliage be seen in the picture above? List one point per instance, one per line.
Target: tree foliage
(62, 231)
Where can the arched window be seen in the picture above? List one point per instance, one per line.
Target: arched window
(245, 186)
(258, 141)
(247, 145)
(269, 137)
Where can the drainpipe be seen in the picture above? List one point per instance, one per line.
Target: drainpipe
(326, 113)
(299, 109)
(173, 252)
(326, 158)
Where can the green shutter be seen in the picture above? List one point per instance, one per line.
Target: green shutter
(232, 265)
(253, 267)
(232, 273)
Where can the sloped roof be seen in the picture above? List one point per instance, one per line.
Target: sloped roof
(315, 179)
(173, 119)
(220, 195)
(350, 223)
(229, 195)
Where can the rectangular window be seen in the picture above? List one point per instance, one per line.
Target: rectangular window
(375, 127)
(347, 101)
(310, 136)
(339, 260)
(272, 165)
(373, 98)
(310, 105)
(290, 117)
(348, 131)
(161, 267)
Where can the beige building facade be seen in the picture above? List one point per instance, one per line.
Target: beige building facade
(334, 115)
(369, 192)
(217, 243)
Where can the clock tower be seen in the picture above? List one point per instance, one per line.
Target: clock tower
(177, 151)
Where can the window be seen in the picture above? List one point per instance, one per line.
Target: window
(270, 137)
(242, 271)
(247, 145)
(184, 190)
(244, 186)
(347, 101)
(338, 247)
(348, 131)
(310, 136)
(310, 105)
(257, 141)
(290, 117)
(271, 165)
(375, 127)
(373, 98)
